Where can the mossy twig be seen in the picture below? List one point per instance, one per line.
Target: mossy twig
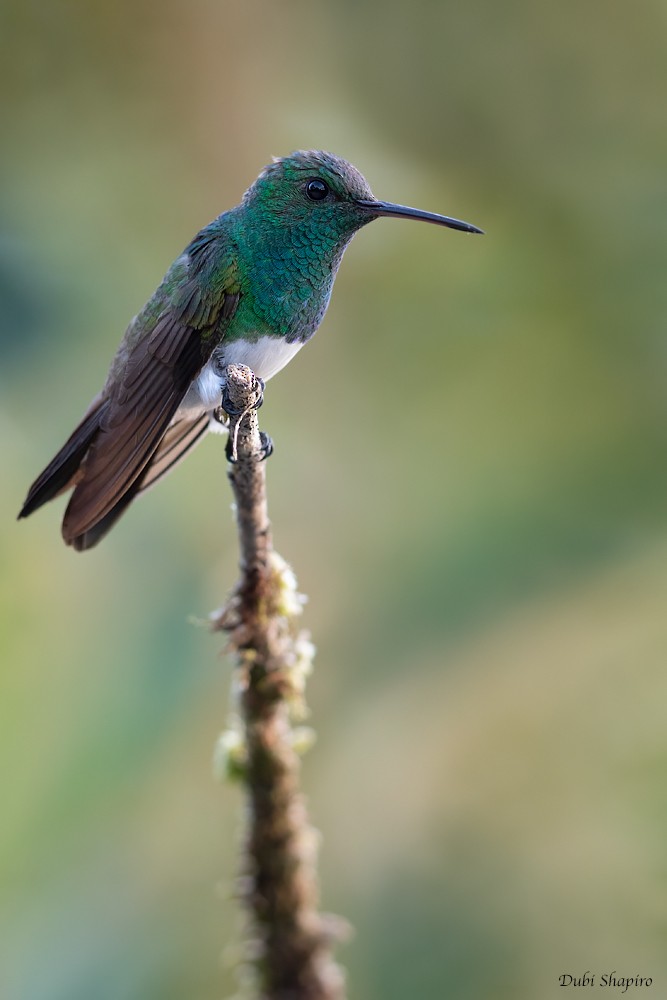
(292, 950)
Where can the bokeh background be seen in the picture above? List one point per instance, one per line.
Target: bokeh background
(487, 568)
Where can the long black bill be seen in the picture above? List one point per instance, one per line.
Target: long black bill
(382, 208)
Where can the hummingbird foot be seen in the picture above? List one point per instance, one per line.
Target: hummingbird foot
(228, 407)
(232, 404)
(266, 444)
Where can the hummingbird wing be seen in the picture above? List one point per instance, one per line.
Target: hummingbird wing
(127, 427)
(158, 373)
(173, 447)
(175, 444)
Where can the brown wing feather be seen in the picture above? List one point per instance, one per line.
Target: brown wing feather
(125, 442)
(175, 444)
(157, 375)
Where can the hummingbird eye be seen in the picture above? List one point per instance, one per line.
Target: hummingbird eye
(316, 189)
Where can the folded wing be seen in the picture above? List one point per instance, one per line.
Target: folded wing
(139, 410)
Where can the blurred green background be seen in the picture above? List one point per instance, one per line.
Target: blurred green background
(487, 570)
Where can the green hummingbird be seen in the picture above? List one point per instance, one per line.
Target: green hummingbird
(251, 288)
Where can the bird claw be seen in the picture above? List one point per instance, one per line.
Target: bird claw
(232, 416)
(266, 444)
(233, 411)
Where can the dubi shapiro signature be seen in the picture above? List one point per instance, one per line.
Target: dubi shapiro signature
(613, 979)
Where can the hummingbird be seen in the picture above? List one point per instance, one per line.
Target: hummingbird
(251, 288)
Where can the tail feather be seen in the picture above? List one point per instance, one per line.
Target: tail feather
(68, 469)
(61, 471)
(176, 443)
(91, 537)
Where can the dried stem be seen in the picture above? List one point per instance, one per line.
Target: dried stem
(292, 955)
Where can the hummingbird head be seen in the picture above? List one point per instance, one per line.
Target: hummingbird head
(326, 197)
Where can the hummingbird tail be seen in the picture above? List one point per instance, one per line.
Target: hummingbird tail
(175, 445)
(92, 536)
(67, 468)
(62, 470)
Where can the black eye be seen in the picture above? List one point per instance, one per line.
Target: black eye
(317, 190)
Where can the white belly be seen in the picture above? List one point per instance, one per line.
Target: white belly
(266, 356)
